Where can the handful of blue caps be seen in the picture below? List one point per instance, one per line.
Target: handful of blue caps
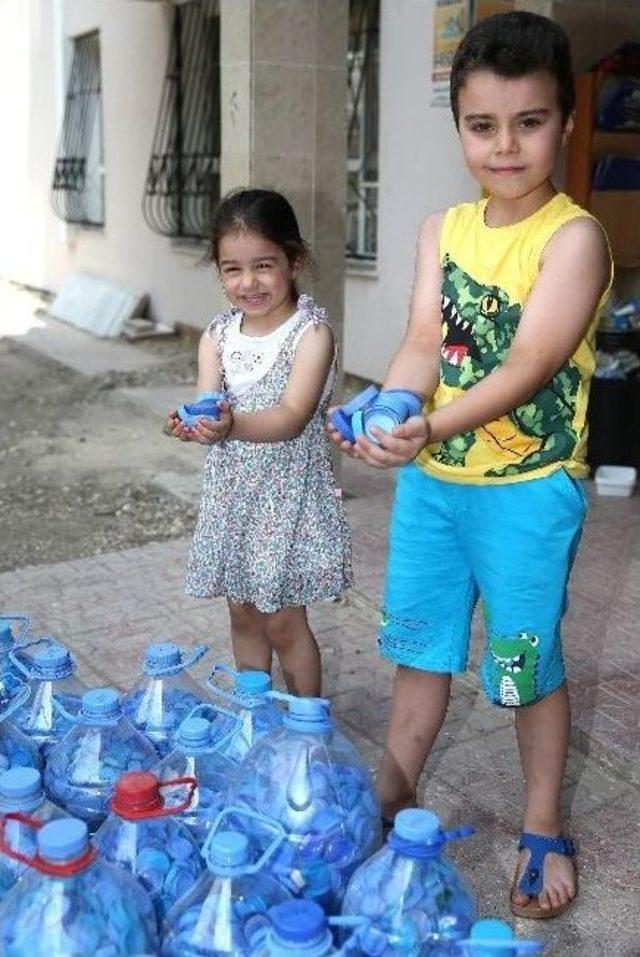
(206, 406)
(382, 409)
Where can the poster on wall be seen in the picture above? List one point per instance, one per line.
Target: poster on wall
(451, 19)
(486, 8)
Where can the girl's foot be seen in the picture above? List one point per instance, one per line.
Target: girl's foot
(557, 883)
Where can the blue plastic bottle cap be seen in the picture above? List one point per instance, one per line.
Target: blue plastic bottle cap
(253, 682)
(416, 825)
(18, 785)
(229, 849)
(298, 921)
(101, 703)
(491, 929)
(6, 636)
(194, 732)
(307, 714)
(52, 662)
(162, 654)
(64, 840)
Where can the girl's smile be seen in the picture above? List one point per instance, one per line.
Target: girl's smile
(258, 279)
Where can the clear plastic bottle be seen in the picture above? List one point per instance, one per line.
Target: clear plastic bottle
(228, 905)
(21, 791)
(72, 904)
(196, 755)
(414, 898)
(252, 700)
(165, 693)
(142, 835)
(82, 769)
(494, 938)
(16, 750)
(10, 643)
(300, 928)
(50, 672)
(310, 779)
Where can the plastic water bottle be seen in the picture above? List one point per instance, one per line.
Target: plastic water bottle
(251, 699)
(165, 693)
(142, 836)
(50, 672)
(196, 755)
(494, 938)
(10, 643)
(21, 791)
(229, 904)
(310, 779)
(16, 750)
(82, 769)
(413, 896)
(72, 904)
(300, 928)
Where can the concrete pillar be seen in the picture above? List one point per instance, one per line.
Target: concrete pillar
(283, 66)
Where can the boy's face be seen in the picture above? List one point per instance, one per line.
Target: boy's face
(511, 130)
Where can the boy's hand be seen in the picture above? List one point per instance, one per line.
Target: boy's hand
(210, 431)
(175, 426)
(397, 447)
(336, 438)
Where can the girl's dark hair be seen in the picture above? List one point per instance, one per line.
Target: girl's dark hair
(261, 211)
(513, 45)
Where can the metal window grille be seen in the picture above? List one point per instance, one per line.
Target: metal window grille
(362, 143)
(77, 191)
(183, 179)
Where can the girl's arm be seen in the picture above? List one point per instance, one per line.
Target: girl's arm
(286, 420)
(209, 380)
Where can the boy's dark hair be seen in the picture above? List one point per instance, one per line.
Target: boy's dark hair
(513, 45)
(261, 211)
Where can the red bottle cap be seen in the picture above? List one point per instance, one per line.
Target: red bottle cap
(137, 795)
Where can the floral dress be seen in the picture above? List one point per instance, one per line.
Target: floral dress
(272, 529)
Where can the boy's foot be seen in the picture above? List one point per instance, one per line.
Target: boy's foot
(551, 877)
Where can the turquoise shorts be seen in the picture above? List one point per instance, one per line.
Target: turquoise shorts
(513, 546)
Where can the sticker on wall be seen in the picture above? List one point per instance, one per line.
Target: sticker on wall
(451, 19)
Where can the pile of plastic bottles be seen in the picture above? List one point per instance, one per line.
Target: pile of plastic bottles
(228, 819)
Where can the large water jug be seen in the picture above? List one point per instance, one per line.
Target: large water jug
(494, 938)
(165, 693)
(21, 791)
(16, 750)
(196, 755)
(50, 672)
(300, 928)
(142, 836)
(309, 778)
(10, 642)
(250, 698)
(72, 904)
(229, 904)
(415, 899)
(82, 769)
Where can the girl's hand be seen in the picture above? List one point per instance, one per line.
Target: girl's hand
(343, 444)
(397, 447)
(175, 426)
(210, 431)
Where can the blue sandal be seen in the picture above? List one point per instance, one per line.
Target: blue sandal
(531, 882)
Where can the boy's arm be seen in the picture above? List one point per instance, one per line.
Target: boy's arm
(575, 272)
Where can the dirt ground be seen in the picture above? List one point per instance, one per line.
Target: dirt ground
(77, 459)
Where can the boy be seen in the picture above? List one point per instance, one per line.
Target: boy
(500, 343)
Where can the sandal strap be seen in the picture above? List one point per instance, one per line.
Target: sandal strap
(540, 845)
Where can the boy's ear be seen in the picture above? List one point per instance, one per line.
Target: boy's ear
(568, 128)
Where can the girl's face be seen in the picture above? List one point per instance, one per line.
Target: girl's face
(256, 275)
(511, 131)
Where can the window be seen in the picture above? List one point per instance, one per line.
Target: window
(77, 192)
(183, 179)
(362, 142)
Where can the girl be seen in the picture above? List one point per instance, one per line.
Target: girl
(271, 534)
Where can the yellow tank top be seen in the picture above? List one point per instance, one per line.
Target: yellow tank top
(488, 274)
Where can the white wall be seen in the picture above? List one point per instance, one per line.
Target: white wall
(421, 171)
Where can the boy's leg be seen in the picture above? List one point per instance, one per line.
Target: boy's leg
(420, 700)
(291, 638)
(251, 647)
(429, 599)
(521, 543)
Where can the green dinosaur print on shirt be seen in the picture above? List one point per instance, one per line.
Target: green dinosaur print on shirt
(478, 326)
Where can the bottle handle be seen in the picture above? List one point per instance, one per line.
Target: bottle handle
(164, 811)
(194, 656)
(25, 628)
(21, 697)
(458, 833)
(288, 698)
(266, 822)
(45, 867)
(212, 686)
(236, 728)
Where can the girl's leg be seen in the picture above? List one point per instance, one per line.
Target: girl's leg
(543, 739)
(251, 646)
(292, 640)
(420, 700)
